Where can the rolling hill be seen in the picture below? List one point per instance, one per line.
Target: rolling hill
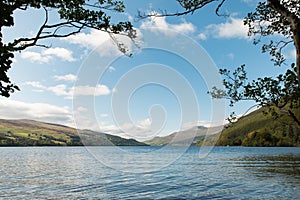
(254, 129)
(184, 138)
(35, 133)
(257, 129)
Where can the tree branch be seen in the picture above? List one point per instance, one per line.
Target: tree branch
(294, 21)
(97, 5)
(218, 9)
(276, 5)
(190, 9)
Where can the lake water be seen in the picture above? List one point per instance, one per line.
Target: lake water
(74, 173)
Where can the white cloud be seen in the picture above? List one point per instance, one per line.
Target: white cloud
(104, 115)
(81, 109)
(251, 2)
(88, 40)
(140, 130)
(202, 36)
(111, 69)
(69, 92)
(39, 87)
(114, 90)
(67, 77)
(60, 90)
(233, 28)
(35, 57)
(86, 90)
(35, 84)
(10, 109)
(207, 124)
(100, 40)
(230, 56)
(62, 53)
(291, 54)
(146, 123)
(47, 55)
(14, 60)
(130, 17)
(159, 24)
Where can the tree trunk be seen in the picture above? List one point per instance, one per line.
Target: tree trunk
(297, 45)
(294, 117)
(295, 28)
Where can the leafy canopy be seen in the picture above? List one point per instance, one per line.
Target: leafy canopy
(75, 16)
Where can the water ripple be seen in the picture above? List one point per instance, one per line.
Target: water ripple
(227, 173)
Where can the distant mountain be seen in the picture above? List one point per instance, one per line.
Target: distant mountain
(35, 133)
(257, 129)
(254, 129)
(184, 138)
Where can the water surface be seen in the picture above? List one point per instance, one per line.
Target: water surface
(226, 173)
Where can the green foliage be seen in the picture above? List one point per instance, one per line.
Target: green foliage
(281, 92)
(6, 87)
(233, 84)
(278, 91)
(256, 129)
(274, 17)
(74, 17)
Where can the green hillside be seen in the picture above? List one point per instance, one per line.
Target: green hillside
(34, 133)
(254, 129)
(257, 129)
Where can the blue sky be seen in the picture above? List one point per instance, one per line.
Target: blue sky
(84, 80)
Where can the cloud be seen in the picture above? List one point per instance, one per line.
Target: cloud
(67, 77)
(144, 124)
(81, 109)
(69, 92)
(14, 60)
(140, 130)
(111, 69)
(202, 36)
(159, 24)
(35, 84)
(114, 90)
(230, 56)
(60, 90)
(39, 87)
(251, 2)
(88, 40)
(100, 40)
(291, 54)
(86, 90)
(62, 53)
(47, 55)
(35, 57)
(104, 115)
(207, 124)
(10, 109)
(233, 28)
(130, 17)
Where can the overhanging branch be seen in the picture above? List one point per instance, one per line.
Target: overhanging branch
(190, 8)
